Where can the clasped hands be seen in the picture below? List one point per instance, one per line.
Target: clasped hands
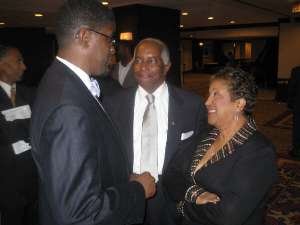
(147, 181)
(207, 197)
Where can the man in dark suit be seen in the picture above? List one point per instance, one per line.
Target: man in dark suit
(294, 105)
(82, 164)
(123, 70)
(180, 115)
(18, 176)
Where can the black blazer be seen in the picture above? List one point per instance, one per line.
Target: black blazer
(18, 172)
(186, 113)
(82, 165)
(294, 90)
(241, 180)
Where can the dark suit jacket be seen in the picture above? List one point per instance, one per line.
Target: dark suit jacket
(82, 165)
(186, 113)
(18, 174)
(241, 180)
(129, 80)
(294, 90)
(108, 86)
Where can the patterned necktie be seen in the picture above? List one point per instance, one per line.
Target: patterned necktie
(95, 89)
(149, 161)
(13, 95)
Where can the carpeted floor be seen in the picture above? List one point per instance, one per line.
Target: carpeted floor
(284, 202)
(275, 121)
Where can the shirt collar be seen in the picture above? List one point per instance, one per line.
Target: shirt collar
(83, 76)
(157, 93)
(128, 64)
(6, 87)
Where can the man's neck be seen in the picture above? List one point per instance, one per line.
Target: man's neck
(125, 62)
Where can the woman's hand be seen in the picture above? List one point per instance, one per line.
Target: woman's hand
(207, 197)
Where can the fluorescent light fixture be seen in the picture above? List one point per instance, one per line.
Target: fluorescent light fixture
(2, 23)
(184, 13)
(104, 3)
(210, 18)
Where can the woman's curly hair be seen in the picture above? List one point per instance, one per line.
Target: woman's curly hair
(240, 85)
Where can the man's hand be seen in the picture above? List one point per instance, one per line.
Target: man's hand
(207, 197)
(147, 181)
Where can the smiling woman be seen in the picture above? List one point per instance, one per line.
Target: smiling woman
(230, 172)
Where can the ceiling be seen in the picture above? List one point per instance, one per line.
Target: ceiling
(19, 13)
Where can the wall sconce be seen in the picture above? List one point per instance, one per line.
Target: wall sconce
(126, 36)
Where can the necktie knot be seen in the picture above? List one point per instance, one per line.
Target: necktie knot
(95, 89)
(150, 98)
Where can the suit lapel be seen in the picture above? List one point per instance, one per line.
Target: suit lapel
(5, 102)
(79, 85)
(174, 124)
(126, 116)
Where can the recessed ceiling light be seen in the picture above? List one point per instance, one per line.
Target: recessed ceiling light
(2, 23)
(184, 13)
(210, 18)
(232, 22)
(181, 26)
(38, 15)
(104, 3)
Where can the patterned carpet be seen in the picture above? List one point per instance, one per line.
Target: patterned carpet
(284, 204)
(283, 121)
(274, 120)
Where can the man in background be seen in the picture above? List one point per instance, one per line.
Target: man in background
(82, 164)
(18, 188)
(123, 70)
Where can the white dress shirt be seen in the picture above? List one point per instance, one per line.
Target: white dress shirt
(123, 70)
(83, 76)
(161, 104)
(6, 87)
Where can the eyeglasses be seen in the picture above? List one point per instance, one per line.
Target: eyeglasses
(110, 39)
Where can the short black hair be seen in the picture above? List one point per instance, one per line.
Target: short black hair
(4, 49)
(77, 13)
(240, 85)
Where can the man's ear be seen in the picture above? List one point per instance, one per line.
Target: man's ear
(167, 68)
(82, 37)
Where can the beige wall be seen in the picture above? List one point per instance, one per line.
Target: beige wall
(289, 48)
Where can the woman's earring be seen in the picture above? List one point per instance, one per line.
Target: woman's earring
(236, 116)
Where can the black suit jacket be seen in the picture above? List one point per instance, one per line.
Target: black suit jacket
(294, 90)
(186, 113)
(18, 174)
(241, 180)
(82, 165)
